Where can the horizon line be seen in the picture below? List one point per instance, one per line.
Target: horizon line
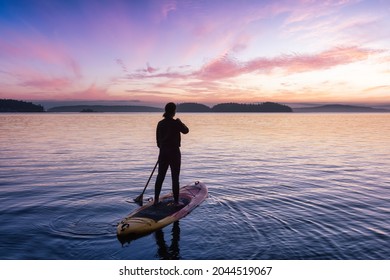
(160, 104)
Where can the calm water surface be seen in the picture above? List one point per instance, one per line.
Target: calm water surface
(281, 186)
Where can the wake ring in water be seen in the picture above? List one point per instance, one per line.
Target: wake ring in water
(84, 227)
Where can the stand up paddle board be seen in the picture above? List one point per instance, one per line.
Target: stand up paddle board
(150, 217)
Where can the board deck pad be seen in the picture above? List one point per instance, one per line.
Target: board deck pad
(163, 209)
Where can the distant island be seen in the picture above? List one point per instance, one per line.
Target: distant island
(193, 107)
(15, 106)
(103, 108)
(234, 108)
(87, 111)
(338, 108)
(266, 107)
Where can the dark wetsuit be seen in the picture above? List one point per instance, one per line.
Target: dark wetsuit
(168, 140)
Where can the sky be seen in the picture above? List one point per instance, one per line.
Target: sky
(153, 52)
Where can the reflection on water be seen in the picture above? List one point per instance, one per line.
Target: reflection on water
(171, 252)
(165, 251)
(281, 186)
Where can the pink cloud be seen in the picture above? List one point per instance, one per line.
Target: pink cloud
(307, 10)
(150, 69)
(220, 68)
(47, 83)
(226, 66)
(162, 9)
(38, 64)
(25, 49)
(167, 7)
(93, 92)
(304, 63)
(29, 78)
(241, 44)
(381, 88)
(48, 90)
(122, 65)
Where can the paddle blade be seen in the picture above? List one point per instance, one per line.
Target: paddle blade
(139, 199)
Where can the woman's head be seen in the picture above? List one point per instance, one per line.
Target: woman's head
(170, 110)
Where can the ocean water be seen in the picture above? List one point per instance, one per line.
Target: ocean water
(281, 186)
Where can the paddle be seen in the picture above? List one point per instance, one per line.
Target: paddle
(139, 199)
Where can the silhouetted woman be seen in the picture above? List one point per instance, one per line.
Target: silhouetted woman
(168, 136)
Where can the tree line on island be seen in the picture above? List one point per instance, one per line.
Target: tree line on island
(16, 106)
(234, 107)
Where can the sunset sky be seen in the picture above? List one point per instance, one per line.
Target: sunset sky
(209, 52)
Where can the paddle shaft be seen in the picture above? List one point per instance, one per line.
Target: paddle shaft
(150, 177)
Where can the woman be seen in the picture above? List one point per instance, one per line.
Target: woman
(168, 136)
